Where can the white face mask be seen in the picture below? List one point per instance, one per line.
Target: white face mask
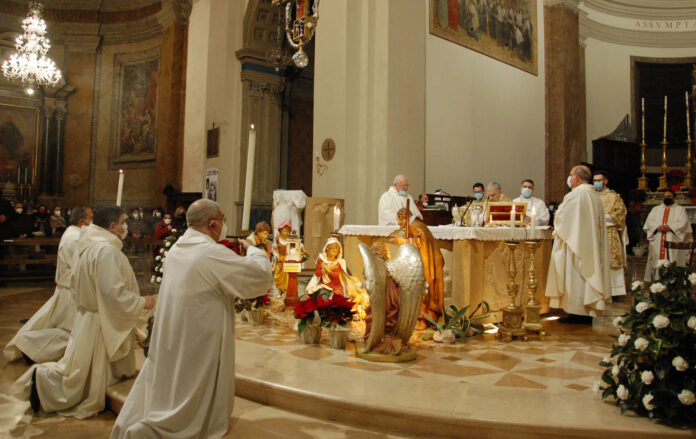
(425, 204)
(223, 232)
(158, 214)
(19, 210)
(167, 221)
(58, 212)
(568, 182)
(125, 230)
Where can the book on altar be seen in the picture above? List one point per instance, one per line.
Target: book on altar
(498, 213)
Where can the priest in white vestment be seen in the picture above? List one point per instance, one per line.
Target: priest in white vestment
(44, 337)
(578, 279)
(666, 222)
(101, 347)
(186, 387)
(534, 204)
(395, 198)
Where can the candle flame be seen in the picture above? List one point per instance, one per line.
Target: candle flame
(252, 127)
(120, 171)
(533, 210)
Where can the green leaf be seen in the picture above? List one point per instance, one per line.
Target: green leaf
(430, 320)
(609, 391)
(459, 333)
(607, 378)
(301, 326)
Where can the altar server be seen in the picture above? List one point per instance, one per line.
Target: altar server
(578, 279)
(533, 204)
(44, 337)
(394, 199)
(101, 347)
(186, 387)
(666, 222)
(615, 220)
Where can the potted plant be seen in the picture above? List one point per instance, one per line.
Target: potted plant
(252, 309)
(336, 314)
(309, 325)
(651, 369)
(457, 323)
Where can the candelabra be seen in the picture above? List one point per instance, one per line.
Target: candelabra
(663, 177)
(512, 314)
(643, 180)
(532, 309)
(687, 179)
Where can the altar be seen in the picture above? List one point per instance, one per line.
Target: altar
(476, 260)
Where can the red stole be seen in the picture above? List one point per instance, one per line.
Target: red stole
(663, 238)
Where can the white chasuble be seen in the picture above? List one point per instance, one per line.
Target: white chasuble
(676, 218)
(578, 279)
(101, 347)
(390, 202)
(44, 337)
(186, 387)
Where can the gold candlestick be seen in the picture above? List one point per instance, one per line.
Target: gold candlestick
(663, 177)
(687, 180)
(532, 321)
(643, 180)
(512, 314)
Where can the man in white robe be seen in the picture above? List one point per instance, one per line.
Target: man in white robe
(186, 387)
(101, 347)
(395, 198)
(666, 222)
(44, 337)
(578, 279)
(534, 204)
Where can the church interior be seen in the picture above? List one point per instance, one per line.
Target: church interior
(485, 119)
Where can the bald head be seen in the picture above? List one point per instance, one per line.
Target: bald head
(202, 211)
(580, 174)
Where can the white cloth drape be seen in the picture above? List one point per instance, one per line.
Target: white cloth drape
(287, 206)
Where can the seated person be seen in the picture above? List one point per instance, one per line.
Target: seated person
(260, 237)
(57, 222)
(331, 277)
(42, 224)
(542, 212)
(495, 193)
(21, 224)
(164, 227)
(423, 201)
(136, 225)
(478, 204)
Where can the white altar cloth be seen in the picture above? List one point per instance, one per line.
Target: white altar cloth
(451, 233)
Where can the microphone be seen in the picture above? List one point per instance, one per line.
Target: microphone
(440, 192)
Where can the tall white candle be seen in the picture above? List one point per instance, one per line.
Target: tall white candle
(642, 115)
(512, 222)
(664, 127)
(251, 152)
(119, 192)
(336, 218)
(688, 117)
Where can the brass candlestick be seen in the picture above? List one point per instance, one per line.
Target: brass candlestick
(532, 321)
(687, 179)
(663, 177)
(643, 180)
(512, 314)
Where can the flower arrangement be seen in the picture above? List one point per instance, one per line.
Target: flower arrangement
(167, 244)
(232, 245)
(651, 368)
(249, 304)
(320, 310)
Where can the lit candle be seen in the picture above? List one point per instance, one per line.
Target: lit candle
(512, 222)
(251, 152)
(119, 192)
(532, 222)
(664, 127)
(337, 218)
(642, 115)
(688, 118)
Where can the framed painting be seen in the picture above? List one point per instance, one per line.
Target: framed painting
(502, 29)
(213, 144)
(19, 135)
(134, 109)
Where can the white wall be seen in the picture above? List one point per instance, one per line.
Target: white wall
(484, 119)
(608, 79)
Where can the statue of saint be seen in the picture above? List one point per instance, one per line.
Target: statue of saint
(331, 277)
(418, 234)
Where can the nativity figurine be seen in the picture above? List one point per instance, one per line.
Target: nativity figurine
(288, 255)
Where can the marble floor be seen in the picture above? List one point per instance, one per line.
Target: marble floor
(481, 387)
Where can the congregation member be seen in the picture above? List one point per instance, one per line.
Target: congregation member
(578, 279)
(57, 222)
(101, 349)
(21, 224)
(164, 227)
(615, 220)
(533, 203)
(44, 337)
(179, 218)
(186, 386)
(42, 221)
(393, 199)
(5, 214)
(136, 225)
(495, 193)
(667, 222)
(153, 220)
(479, 195)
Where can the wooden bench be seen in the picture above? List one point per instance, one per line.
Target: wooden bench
(28, 259)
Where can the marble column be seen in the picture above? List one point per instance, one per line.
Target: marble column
(565, 95)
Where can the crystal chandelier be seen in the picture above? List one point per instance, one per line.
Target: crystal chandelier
(30, 64)
(278, 56)
(300, 30)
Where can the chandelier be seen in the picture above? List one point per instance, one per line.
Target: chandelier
(278, 56)
(30, 64)
(300, 27)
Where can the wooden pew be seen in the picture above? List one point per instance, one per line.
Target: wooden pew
(28, 259)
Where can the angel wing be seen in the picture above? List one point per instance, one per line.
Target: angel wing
(375, 273)
(406, 268)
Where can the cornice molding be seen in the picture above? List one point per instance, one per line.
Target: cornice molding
(645, 9)
(630, 37)
(572, 4)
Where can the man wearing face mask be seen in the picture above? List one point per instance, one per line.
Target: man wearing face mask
(615, 220)
(393, 199)
(479, 192)
(101, 349)
(666, 222)
(44, 337)
(21, 224)
(533, 203)
(578, 280)
(186, 386)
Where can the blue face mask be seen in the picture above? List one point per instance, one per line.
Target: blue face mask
(526, 192)
(403, 193)
(598, 185)
(478, 195)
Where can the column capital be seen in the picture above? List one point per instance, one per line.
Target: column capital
(174, 12)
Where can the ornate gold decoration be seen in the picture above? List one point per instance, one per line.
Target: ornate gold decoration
(532, 308)
(687, 180)
(643, 180)
(663, 177)
(512, 314)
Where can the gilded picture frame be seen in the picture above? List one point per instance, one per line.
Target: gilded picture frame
(505, 30)
(19, 143)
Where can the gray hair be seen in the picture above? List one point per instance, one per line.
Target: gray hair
(399, 179)
(494, 184)
(79, 213)
(202, 211)
(583, 172)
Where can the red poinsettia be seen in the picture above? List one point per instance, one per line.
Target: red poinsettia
(262, 301)
(232, 245)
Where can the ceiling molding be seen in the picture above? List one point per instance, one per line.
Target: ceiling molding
(645, 9)
(572, 4)
(630, 37)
